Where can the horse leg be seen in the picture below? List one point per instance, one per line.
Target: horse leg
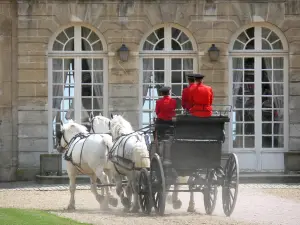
(133, 182)
(175, 200)
(98, 197)
(71, 170)
(120, 192)
(103, 178)
(191, 207)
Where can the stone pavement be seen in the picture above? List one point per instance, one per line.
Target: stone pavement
(253, 205)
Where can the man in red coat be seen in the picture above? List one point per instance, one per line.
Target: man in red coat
(201, 98)
(185, 100)
(165, 110)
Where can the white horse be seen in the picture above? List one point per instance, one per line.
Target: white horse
(86, 153)
(129, 145)
(100, 125)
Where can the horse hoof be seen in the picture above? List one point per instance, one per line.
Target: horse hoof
(134, 209)
(113, 202)
(191, 209)
(126, 210)
(126, 203)
(177, 204)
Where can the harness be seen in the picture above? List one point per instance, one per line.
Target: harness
(67, 156)
(124, 138)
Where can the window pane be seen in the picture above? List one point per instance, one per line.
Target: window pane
(159, 77)
(70, 45)
(176, 64)
(237, 63)
(86, 90)
(238, 45)
(152, 38)
(243, 38)
(265, 32)
(278, 75)
(176, 77)
(98, 64)
(188, 64)
(159, 64)
(249, 141)
(93, 37)
(98, 77)
(57, 64)
(85, 32)
(70, 32)
(85, 46)
(278, 63)
(62, 38)
(98, 90)
(250, 32)
(97, 103)
(97, 46)
(86, 103)
(278, 141)
(57, 46)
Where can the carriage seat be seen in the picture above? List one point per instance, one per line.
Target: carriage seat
(200, 128)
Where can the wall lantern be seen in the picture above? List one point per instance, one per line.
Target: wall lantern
(123, 53)
(213, 53)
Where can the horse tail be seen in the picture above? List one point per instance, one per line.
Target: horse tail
(141, 155)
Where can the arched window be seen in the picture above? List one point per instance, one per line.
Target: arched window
(259, 96)
(77, 77)
(168, 54)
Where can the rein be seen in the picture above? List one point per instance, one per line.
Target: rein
(123, 136)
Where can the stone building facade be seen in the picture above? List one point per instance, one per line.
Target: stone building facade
(55, 55)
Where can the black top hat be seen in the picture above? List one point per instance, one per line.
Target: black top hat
(191, 75)
(165, 89)
(198, 75)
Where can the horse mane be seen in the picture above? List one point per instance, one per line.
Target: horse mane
(80, 128)
(102, 118)
(120, 126)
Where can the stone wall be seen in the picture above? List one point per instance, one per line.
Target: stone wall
(125, 21)
(8, 122)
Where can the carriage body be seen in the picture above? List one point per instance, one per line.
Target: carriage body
(196, 143)
(192, 147)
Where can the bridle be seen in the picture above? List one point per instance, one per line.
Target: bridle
(59, 135)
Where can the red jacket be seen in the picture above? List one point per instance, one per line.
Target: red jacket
(185, 100)
(201, 99)
(165, 108)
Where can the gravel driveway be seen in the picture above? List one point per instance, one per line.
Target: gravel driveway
(254, 206)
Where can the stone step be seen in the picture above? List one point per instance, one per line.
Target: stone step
(245, 178)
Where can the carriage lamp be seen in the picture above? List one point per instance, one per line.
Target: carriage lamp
(123, 53)
(213, 53)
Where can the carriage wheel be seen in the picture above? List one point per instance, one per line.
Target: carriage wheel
(210, 193)
(158, 185)
(231, 184)
(145, 195)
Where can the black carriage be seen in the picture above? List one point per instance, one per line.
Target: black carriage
(191, 147)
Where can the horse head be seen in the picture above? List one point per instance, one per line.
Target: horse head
(65, 134)
(119, 126)
(99, 124)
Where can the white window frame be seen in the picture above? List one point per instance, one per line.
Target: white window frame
(257, 55)
(77, 55)
(166, 54)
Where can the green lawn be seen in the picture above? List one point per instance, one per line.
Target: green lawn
(12, 216)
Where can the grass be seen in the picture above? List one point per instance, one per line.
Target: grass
(12, 216)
